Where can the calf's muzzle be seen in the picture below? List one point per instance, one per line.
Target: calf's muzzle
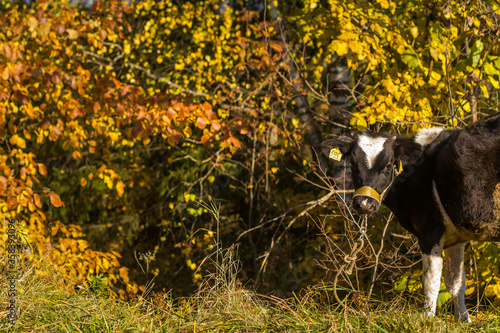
(366, 200)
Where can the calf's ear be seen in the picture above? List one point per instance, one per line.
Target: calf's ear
(407, 147)
(335, 149)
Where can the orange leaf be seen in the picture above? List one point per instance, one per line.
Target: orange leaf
(205, 139)
(215, 126)
(103, 34)
(201, 123)
(76, 155)
(235, 142)
(45, 123)
(11, 202)
(171, 113)
(37, 200)
(120, 188)
(124, 274)
(42, 169)
(209, 114)
(56, 77)
(56, 200)
(207, 106)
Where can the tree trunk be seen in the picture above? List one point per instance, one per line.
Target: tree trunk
(303, 110)
(338, 97)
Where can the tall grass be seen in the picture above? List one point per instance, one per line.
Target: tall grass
(221, 304)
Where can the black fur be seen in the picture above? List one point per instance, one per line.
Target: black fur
(343, 146)
(465, 166)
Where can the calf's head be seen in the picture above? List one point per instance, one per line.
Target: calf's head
(375, 161)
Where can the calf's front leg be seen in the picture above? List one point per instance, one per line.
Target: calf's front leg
(432, 266)
(454, 278)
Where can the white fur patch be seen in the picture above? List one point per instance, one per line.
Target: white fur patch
(426, 135)
(432, 266)
(372, 147)
(454, 266)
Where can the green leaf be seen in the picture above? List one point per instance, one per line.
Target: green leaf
(443, 297)
(410, 58)
(400, 284)
(476, 51)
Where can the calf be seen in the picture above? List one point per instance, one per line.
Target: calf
(443, 186)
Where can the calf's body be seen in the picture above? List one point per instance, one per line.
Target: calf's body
(447, 194)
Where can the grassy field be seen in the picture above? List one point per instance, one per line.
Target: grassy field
(220, 305)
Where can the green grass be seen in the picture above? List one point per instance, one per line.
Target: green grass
(220, 305)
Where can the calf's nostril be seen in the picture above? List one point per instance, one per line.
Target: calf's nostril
(365, 205)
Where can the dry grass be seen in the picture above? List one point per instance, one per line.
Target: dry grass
(46, 304)
(220, 305)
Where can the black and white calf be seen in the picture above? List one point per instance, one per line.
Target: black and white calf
(447, 194)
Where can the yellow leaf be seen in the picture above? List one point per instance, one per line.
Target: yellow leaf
(384, 4)
(414, 32)
(359, 121)
(340, 47)
(105, 263)
(13, 139)
(483, 89)
(72, 34)
(20, 142)
(108, 182)
(44, 29)
(32, 23)
(115, 137)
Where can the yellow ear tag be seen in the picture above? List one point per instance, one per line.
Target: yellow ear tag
(335, 154)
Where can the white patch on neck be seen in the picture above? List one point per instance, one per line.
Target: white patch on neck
(426, 135)
(372, 147)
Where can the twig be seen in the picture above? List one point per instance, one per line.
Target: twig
(162, 79)
(274, 242)
(377, 255)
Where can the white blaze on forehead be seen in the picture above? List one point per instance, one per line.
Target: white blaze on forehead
(372, 147)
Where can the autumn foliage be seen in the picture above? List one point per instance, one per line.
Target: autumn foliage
(62, 112)
(116, 119)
